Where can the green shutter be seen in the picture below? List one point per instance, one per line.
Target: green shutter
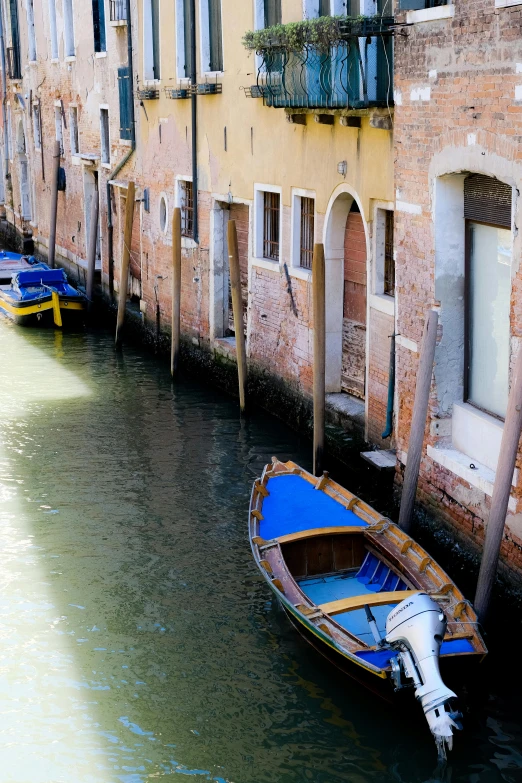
(187, 36)
(324, 7)
(125, 91)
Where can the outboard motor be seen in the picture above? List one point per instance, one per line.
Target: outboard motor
(416, 628)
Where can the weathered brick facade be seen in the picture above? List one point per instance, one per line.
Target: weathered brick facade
(458, 111)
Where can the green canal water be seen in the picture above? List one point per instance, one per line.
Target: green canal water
(137, 640)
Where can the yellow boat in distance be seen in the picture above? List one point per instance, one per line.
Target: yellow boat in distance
(41, 296)
(364, 593)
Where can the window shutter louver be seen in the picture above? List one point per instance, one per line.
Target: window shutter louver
(125, 91)
(487, 200)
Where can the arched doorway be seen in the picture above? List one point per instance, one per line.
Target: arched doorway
(346, 258)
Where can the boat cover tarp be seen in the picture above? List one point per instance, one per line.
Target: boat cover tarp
(381, 658)
(39, 276)
(294, 505)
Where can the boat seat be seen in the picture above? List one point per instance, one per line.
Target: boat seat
(378, 577)
(359, 601)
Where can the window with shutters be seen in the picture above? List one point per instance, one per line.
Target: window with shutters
(489, 247)
(125, 95)
(151, 40)
(68, 28)
(211, 36)
(73, 127)
(98, 21)
(389, 258)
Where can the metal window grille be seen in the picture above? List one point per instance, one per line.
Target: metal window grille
(389, 262)
(307, 232)
(271, 226)
(118, 10)
(187, 209)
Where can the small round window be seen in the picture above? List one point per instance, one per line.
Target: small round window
(163, 214)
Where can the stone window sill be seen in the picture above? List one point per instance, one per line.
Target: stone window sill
(431, 14)
(265, 263)
(300, 273)
(480, 477)
(383, 303)
(507, 3)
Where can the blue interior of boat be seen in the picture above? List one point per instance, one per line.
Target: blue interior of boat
(381, 658)
(294, 505)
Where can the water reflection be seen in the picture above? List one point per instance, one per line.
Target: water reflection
(137, 640)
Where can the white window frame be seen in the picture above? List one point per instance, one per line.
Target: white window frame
(204, 39)
(31, 33)
(186, 242)
(164, 199)
(35, 114)
(105, 143)
(180, 42)
(73, 123)
(68, 30)
(295, 232)
(58, 126)
(431, 14)
(53, 30)
(378, 300)
(148, 44)
(259, 203)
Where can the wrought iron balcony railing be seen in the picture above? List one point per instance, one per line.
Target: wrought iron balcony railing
(355, 73)
(118, 10)
(14, 65)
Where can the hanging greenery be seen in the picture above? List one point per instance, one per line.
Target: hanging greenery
(322, 32)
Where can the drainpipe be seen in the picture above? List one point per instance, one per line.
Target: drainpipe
(194, 106)
(114, 173)
(4, 90)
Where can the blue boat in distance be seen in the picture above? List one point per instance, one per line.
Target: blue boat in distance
(11, 263)
(41, 296)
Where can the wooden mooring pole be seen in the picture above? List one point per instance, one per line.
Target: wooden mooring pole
(54, 204)
(125, 261)
(501, 493)
(318, 292)
(418, 421)
(93, 244)
(176, 291)
(237, 307)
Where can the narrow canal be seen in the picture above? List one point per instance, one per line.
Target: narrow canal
(137, 640)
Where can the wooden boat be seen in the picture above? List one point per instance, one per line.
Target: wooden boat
(11, 263)
(363, 592)
(41, 295)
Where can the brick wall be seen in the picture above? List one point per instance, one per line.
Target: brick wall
(457, 110)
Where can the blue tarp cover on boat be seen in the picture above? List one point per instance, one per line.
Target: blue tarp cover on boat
(381, 658)
(38, 276)
(294, 505)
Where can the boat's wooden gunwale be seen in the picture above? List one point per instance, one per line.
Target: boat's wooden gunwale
(402, 554)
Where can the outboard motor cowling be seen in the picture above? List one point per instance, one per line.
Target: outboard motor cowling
(416, 628)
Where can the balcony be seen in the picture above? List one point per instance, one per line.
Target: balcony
(14, 66)
(118, 11)
(354, 71)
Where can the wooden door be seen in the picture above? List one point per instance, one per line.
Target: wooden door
(354, 307)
